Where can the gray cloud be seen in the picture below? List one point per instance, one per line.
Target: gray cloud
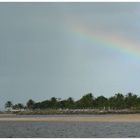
(40, 58)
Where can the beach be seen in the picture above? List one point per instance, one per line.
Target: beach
(69, 126)
(72, 118)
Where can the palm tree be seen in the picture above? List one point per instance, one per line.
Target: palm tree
(30, 104)
(86, 101)
(18, 106)
(101, 102)
(131, 100)
(8, 105)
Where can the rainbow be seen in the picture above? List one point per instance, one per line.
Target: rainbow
(106, 40)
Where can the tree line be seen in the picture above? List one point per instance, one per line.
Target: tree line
(88, 101)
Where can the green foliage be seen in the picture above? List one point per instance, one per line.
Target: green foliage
(8, 104)
(86, 101)
(18, 106)
(69, 103)
(53, 103)
(131, 100)
(30, 104)
(101, 102)
(116, 102)
(111, 101)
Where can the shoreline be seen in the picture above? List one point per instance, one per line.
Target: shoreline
(76, 111)
(73, 118)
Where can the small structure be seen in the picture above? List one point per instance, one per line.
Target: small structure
(8, 109)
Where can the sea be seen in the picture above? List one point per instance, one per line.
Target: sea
(10, 129)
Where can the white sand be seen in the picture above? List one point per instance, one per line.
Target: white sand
(77, 118)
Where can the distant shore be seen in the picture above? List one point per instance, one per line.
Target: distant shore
(69, 112)
(76, 111)
(73, 118)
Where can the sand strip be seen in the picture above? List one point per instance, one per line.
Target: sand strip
(92, 118)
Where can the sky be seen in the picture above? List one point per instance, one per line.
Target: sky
(68, 49)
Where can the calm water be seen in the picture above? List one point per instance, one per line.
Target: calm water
(68, 129)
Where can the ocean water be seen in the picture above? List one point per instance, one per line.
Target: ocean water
(69, 130)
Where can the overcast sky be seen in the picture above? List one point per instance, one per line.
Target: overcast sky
(41, 55)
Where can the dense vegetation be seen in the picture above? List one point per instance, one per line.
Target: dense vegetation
(116, 102)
